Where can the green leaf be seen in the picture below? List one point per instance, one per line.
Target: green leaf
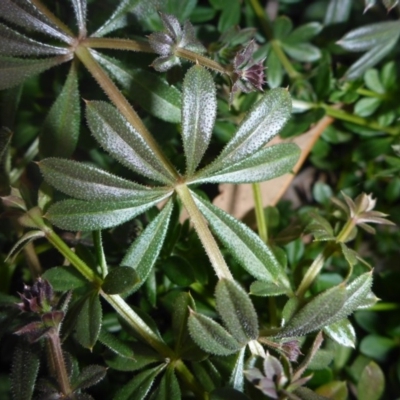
(24, 370)
(180, 316)
(264, 120)
(316, 314)
(139, 386)
(14, 43)
(211, 336)
(371, 36)
(86, 182)
(198, 115)
(338, 11)
(265, 164)
(119, 18)
(178, 271)
(246, 246)
(80, 13)
(150, 90)
(227, 394)
(60, 131)
(123, 142)
(169, 387)
(390, 4)
(230, 16)
(377, 347)
(303, 52)
(372, 382)
(265, 289)
(335, 390)
(388, 76)
(373, 81)
(23, 241)
(143, 253)
(80, 215)
(304, 33)
(274, 70)
(64, 278)
(236, 380)
(342, 332)
(120, 280)
(89, 321)
(14, 71)
(236, 310)
(89, 376)
(320, 228)
(367, 106)
(115, 344)
(282, 27)
(304, 393)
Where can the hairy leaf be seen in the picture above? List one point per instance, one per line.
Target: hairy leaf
(86, 182)
(80, 13)
(14, 71)
(169, 387)
(64, 278)
(263, 165)
(180, 316)
(342, 332)
(150, 90)
(236, 380)
(89, 376)
(23, 241)
(261, 288)
(80, 215)
(264, 120)
(236, 310)
(60, 130)
(198, 115)
(120, 280)
(143, 253)
(249, 250)
(123, 142)
(210, 336)
(115, 344)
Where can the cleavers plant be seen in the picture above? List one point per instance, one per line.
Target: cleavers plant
(217, 344)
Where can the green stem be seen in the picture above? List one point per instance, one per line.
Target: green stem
(29, 155)
(133, 319)
(260, 215)
(122, 104)
(370, 93)
(117, 44)
(191, 382)
(276, 47)
(207, 239)
(101, 259)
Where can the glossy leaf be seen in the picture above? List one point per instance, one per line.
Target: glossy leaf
(372, 382)
(236, 310)
(143, 253)
(119, 17)
(210, 336)
(198, 115)
(317, 313)
(81, 215)
(303, 52)
(24, 370)
(80, 13)
(150, 90)
(120, 280)
(264, 120)
(89, 321)
(29, 17)
(236, 380)
(14, 71)
(86, 182)
(123, 142)
(60, 130)
(342, 332)
(89, 376)
(249, 250)
(14, 43)
(115, 344)
(64, 278)
(377, 347)
(266, 289)
(139, 386)
(169, 387)
(338, 11)
(263, 165)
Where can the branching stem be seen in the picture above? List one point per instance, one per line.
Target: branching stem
(117, 44)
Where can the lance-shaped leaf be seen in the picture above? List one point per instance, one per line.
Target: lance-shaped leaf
(123, 142)
(89, 376)
(79, 215)
(236, 380)
(64, 278)
(86, 182)
(236, 310)
(23, 241)
(338, 11)
(119, 18)
(14, 71)
(211, 336)
(264, 120)
(139, 386)
(29, 17)
(169, 387)
(143, 253)
(263, 165)
(15, 44)
(150, 90)
(80, 8)
(247, 247)
(342, 332)
(198, 115)
(120, 280)
(180, 316)
(115, 344)
(317, 313)
(60, 130)
(261, 288)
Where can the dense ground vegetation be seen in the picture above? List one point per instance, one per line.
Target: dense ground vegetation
(119, 277)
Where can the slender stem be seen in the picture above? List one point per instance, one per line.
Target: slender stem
(122, 104)
(29, 155)
(117, 44)
(57, 361)
(133, 319)
(207, 239)
(32, 260)
(101, 258)
(260, 215)
(346, 231)
(200, 59)
(276, 47)
(370, 93)
(190, 380)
